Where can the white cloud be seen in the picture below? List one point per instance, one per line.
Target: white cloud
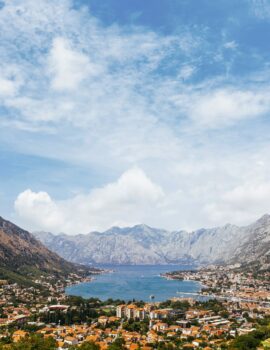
(242, 204)
(110, 97)
(260, 8)
(231, 45)
(7, 87)
(10, 81)
(186, 72)
(39, 207)
(202, 199)
(221, 108)
(125, 202)
(68, 66)
(72, 66)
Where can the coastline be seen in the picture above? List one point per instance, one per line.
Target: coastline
(168, 276)
(139, 282)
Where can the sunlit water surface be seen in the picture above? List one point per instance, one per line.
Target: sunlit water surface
(129, 282)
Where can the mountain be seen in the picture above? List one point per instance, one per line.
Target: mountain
(21, 255)
(254, 248)
(142, 244)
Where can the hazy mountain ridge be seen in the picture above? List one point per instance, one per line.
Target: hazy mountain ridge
(255, 245)
(142, 244)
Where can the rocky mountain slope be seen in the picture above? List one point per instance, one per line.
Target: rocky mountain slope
(21, 253)
(142, 244)
(254, 246)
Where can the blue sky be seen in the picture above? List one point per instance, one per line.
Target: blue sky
(119, 112)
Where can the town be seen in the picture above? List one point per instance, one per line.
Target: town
(232, 311)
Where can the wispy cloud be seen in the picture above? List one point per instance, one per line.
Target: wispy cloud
(260, 8)
(225, 107)
(113, 97)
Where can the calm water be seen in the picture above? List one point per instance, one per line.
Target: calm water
(135, 282)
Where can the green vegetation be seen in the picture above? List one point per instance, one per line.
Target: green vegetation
(81, 310)
(16, 277)
(86, 346)
(251, 341)
(136, 326)
(212, 304)
(176, 305)
(33, 342)
(118, 344)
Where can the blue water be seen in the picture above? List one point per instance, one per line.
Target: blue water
(135, 282)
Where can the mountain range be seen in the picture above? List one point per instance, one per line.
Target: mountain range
(142, 244)
(23, 256)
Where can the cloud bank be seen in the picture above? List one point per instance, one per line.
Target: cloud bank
(132, 197)
(173, 125)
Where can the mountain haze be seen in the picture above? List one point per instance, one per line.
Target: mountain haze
(142, 244)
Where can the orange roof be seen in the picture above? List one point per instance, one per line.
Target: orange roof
(19, 332)
(103, 345)
(68, 338)
(93, 338)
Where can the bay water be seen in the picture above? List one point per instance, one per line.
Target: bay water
(139, 282)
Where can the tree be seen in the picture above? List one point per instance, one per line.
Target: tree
(89, 346)
(165, 346)
(244, 342)
(35, 342)
(118, 344)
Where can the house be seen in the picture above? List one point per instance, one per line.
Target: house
(120, 311)
(152, 336)
(71, 340)
(103, 320)
(140, 313)
(197, 342)
(18, 335)
(159, 314)
(130, 311)
(160, 327)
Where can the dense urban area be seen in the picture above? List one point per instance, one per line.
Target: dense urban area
(232, 311)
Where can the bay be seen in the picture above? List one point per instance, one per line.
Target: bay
(138, 282)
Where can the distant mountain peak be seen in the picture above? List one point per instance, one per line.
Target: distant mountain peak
(143, 226)
(264, 219)
(142, 244)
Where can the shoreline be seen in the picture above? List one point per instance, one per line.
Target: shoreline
(89, 278)
(168, 277)
(128, 276)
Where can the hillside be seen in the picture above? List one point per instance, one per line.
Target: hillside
(142, 244)
(254, 249)
(22, 255)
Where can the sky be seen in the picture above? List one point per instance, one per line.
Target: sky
(116, 112)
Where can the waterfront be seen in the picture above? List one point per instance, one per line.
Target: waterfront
(139, 282)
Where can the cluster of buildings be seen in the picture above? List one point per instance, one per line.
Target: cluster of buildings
(131, 311)
(19, 303)
(149, 311)
(225, 283)
(243, 300)
(195, 328)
